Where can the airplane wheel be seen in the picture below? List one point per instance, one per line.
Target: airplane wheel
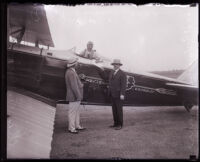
(188, 106)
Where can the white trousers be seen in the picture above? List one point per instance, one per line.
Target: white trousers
(74, 115)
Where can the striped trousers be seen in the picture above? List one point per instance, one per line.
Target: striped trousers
(74, 115)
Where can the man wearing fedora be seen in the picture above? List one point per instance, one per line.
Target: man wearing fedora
(74, 96)
(117, 88)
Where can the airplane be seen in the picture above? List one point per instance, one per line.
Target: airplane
(41, 71)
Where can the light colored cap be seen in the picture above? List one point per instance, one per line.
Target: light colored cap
(90, 42)
(72, 61)
(116, 61)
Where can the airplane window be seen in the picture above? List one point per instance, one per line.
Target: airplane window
(88, 70)
(92, 71)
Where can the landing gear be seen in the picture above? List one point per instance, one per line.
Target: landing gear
(188, 105)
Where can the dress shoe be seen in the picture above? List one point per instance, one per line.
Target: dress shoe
(112, 126)
(80, 128)
(73, 131)
(118, 127)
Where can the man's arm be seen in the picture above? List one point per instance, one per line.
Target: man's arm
(74, 85)
(82, 53)
(123, 83)
(97, 58)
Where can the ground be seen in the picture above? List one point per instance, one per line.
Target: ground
(165, 132)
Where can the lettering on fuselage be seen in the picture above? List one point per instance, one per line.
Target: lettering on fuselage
(91, 79)
(144, 89)
(129, 86)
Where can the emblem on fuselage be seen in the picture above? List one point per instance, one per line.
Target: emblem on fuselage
(130, 82)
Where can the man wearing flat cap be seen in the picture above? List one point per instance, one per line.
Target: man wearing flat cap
(117, 88)
(74, 96)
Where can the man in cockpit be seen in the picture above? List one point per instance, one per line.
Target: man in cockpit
(90, 53)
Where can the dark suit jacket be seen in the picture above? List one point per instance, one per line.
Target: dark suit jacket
(73, 85)
(117, 84)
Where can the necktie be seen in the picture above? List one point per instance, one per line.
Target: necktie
(113, 74)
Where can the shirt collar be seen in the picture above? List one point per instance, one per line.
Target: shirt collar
(116, 70)
(73, 69)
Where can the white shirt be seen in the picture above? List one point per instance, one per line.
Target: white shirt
(116, 71)
(89, 54)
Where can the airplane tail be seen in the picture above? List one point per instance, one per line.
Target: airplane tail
(190, 75)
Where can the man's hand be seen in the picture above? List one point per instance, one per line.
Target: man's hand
(122, 97)
(93, 62)
(81, 85)
(98, 60)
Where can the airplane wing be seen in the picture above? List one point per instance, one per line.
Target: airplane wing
(30, 22)
(182, 85)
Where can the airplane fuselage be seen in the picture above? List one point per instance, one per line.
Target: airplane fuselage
(44, 75)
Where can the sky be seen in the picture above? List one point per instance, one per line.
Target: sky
(147, 37)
